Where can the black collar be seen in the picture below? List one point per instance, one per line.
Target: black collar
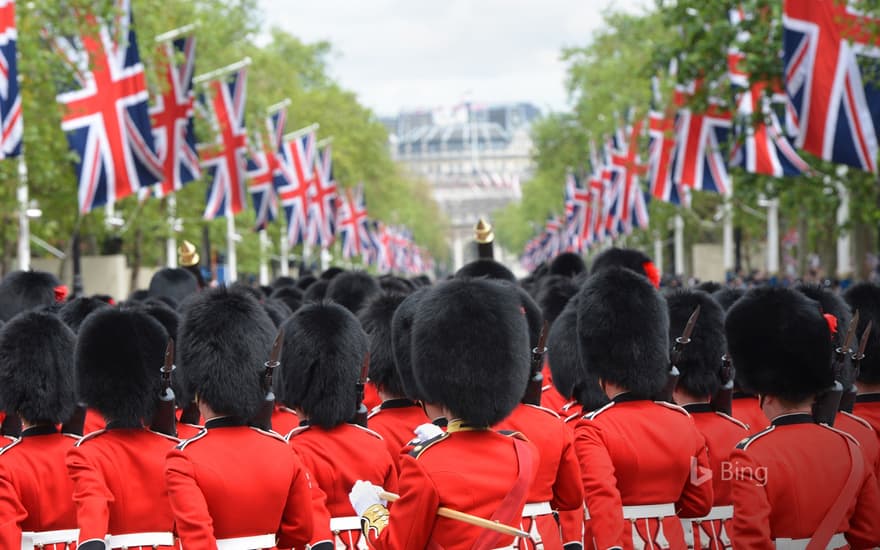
(224, 422)
(42, 429)
(398, 403)
(868, 398)
(440, 421)
(793, 418)
(698, 408)
(628, 396)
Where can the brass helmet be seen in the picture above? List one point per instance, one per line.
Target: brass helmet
(483, 233)
(188, 256)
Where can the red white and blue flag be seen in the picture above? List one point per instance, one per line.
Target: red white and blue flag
(352, 222)
(626, 162)
(262, 165)
(661, 160)
(11, 123)
(700, 164)
(297, 160)
(836, 110)
(322, 202)
(172, 118)
(106, 112)
(225, 160)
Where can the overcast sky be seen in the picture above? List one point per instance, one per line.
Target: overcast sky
(405, 54)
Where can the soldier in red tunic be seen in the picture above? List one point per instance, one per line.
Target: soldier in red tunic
(865, 297)
(796, 480)
(36, 382)
(233, 486)
(470, 356)
(397, 416)
(642, 461)
(323, 355)
(700, 367)
(554, 292)
(118, 473)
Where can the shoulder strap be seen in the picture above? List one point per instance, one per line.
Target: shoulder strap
(510, 506)
(831, 522)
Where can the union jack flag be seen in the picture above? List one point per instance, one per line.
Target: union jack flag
(297, 162)
(106, 114)
(172, 118)
(261, 168)
(699, 161)
(661, 160)
(322, 202)
(625, 159)
(10, 99)
(382, 254)
(275, 125)
(352, 222)
(225, 160)
(835, 110)
(582, 200)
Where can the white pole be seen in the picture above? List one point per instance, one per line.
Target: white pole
(679, 245)
(325, 259)
(773, 237)
(231, 260)
(264, 253)
(844, 263)
(24, 224)
(728, 246)
(305, 257)
(171, 241)
(284, 248)
(658, 251)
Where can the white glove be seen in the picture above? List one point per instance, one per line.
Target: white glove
(427, 431)
(363, 495)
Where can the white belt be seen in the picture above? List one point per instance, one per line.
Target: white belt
(836, 541)
(345, 523)
(256, 542)
(140, 539)
(30, 540)
(534, 509)
(715, 514)
(644, 511)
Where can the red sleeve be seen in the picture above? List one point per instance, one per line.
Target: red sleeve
(296, 521)
(600, 485)
(90, 494)
(864, 529)
(568, 491)
(191, 517)
(320, 514)
(12, 513)
(698, 494)
(412, 518)
(750, 526)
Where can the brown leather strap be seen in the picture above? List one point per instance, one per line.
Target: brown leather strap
(831, 522)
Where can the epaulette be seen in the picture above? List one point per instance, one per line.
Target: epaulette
(11, 445)
(739, 423)
(673, 407)
(744, 444)
(196, 437)
(89, 437)
(374, 411)
(545, 409)
(858, 419)
(593, 414)
(369, 431)
(271, 433)
(423, 446)
(296, 431)
(166, 436)
(513, 434)
(574, 416)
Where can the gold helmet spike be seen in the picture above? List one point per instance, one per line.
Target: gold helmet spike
(188, 255)
(483, 232)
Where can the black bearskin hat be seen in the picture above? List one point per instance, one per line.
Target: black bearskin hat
(323, 355)
(534, 317)
(243, 288)
(623, 330)
(780, 344)
(376, 318)
(316, 291)
(630, 258)
(484, 267)
(708, 286)
(277, 311)
(138, 295)
(571, 377)
(170, 321)
(554, 292)
(283, 281)
(832, 304)
(470, 349)
(726, 297)
(352, 289)
(173, 282)
(399, 285)
(420, 281)
(36, 368)
(119, 355)
(74, 312)
(401, 342)
(305, 281)
(26, 290)
(865, 297)
(224, 340)
(567, 264)
(700, 364)
(290, 295)
(331, 272)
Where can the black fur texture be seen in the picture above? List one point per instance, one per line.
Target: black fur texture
(629, 258)
(865, 297)
(726, 297)
(401, 340)
(324, 351)
(708, 287)
(567, 264)
(485, 267)
(376, 318)
(26, 290)
(700, 364)
(36, 368)
(571, 377)
(277, 311)
(352, 289)
(554, 292)
(75, 311)
(173, 282)
(290, 295)
(316, 291)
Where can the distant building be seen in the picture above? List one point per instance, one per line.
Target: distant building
(474, 157)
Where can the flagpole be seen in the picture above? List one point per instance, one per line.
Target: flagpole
(231, 258)
(302, 131)
(176, 33)
(728, 244)
(24, 223)
(264, 252)
(844, 264)
(222, 71)
(171, 241)
(678, 240)
(658, 251)
(772, 236)
(275, 107)
(284, 248)
(324, 142)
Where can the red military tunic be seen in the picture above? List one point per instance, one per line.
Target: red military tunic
(862, 432)
(558, 478)
(465, 469)
(550, 398)
(868, 407)
(395, 420)
(283, 420)
(187, 431)
(94, 422)
(785, 479)
(722, 433)
(747, 409)
(36, 493)
(569, 519)
(336, 459)
(119, 483)
(235, 481)
(636, 452)
(371, 396)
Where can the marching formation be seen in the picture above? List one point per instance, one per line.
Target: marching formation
(570, 409)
